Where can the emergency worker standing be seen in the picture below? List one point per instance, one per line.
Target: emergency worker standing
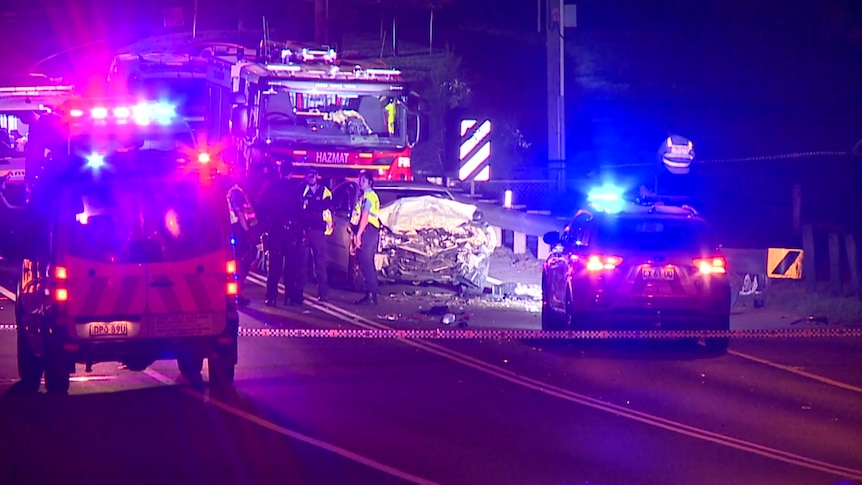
(243, 223)
(317, 223)
(282, 205)
(365, 226)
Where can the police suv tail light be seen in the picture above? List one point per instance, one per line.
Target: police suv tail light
(232, 288)
(230, 267)
(598, 262)
(61, 294)
(715, 265)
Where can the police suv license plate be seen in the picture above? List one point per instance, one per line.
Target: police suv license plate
(663, 274)
(109, 329)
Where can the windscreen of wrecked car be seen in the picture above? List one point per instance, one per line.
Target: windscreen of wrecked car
(390, 196)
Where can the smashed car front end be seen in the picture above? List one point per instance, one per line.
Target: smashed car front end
(436, 255)
(457, 255)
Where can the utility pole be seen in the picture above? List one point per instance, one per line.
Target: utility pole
(321, 22)
(556, 21)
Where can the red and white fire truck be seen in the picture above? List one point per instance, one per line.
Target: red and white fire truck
(305, 106)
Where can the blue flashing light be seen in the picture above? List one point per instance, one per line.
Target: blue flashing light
(233, 241)
(606, 199)
(95, 161)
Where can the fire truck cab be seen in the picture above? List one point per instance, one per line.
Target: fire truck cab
(129, 256)
(291, 104)
(24, 101)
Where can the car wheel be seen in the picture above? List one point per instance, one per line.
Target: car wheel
(551, 319)
(30, 367)
(718, 345)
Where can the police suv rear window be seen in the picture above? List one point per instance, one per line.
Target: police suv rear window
(653, 234)
(144, 222)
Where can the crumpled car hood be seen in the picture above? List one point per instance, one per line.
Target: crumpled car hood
(434, 240)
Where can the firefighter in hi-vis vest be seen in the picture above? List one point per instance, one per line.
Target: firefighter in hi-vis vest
(391, 110)
(365, 229)
(243, 221)
(318, 224)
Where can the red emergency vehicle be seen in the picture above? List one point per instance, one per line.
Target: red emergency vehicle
(288, 103)
(128, 256)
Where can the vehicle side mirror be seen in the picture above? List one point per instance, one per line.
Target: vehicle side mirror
(551, 238)
(239, 121)
(238, 99)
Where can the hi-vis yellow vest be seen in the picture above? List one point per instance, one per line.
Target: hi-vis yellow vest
(327, 214)
(391, 110)
(373, 213)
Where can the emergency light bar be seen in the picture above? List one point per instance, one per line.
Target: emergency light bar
(25, 91)
(326, 55)
(142, 114)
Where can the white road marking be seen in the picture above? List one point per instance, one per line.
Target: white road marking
(565, 394)
(799, 372)
(208, 399)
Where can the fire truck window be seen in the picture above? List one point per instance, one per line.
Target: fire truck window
(373, 110)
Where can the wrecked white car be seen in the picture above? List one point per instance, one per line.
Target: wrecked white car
(433, 240)
(427, 236)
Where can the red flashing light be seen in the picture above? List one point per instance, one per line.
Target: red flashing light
(599, 262)
(204, 158)
(716, 265)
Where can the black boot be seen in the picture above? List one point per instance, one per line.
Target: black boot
(368, 299)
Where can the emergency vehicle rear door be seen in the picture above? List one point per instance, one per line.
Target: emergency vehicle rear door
(187, 283)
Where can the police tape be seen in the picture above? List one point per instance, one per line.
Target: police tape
(491, 334)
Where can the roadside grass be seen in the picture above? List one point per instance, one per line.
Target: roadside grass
(793, 297)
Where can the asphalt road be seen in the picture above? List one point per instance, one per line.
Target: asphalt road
(337, 410)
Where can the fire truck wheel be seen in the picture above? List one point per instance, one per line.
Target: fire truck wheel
(221, 371)
(29, 365)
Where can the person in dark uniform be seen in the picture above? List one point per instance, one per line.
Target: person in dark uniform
(281, 202)
(317, 224)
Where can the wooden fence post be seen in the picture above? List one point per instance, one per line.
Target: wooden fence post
(835, 263)
(853, 263)
(809, 268)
